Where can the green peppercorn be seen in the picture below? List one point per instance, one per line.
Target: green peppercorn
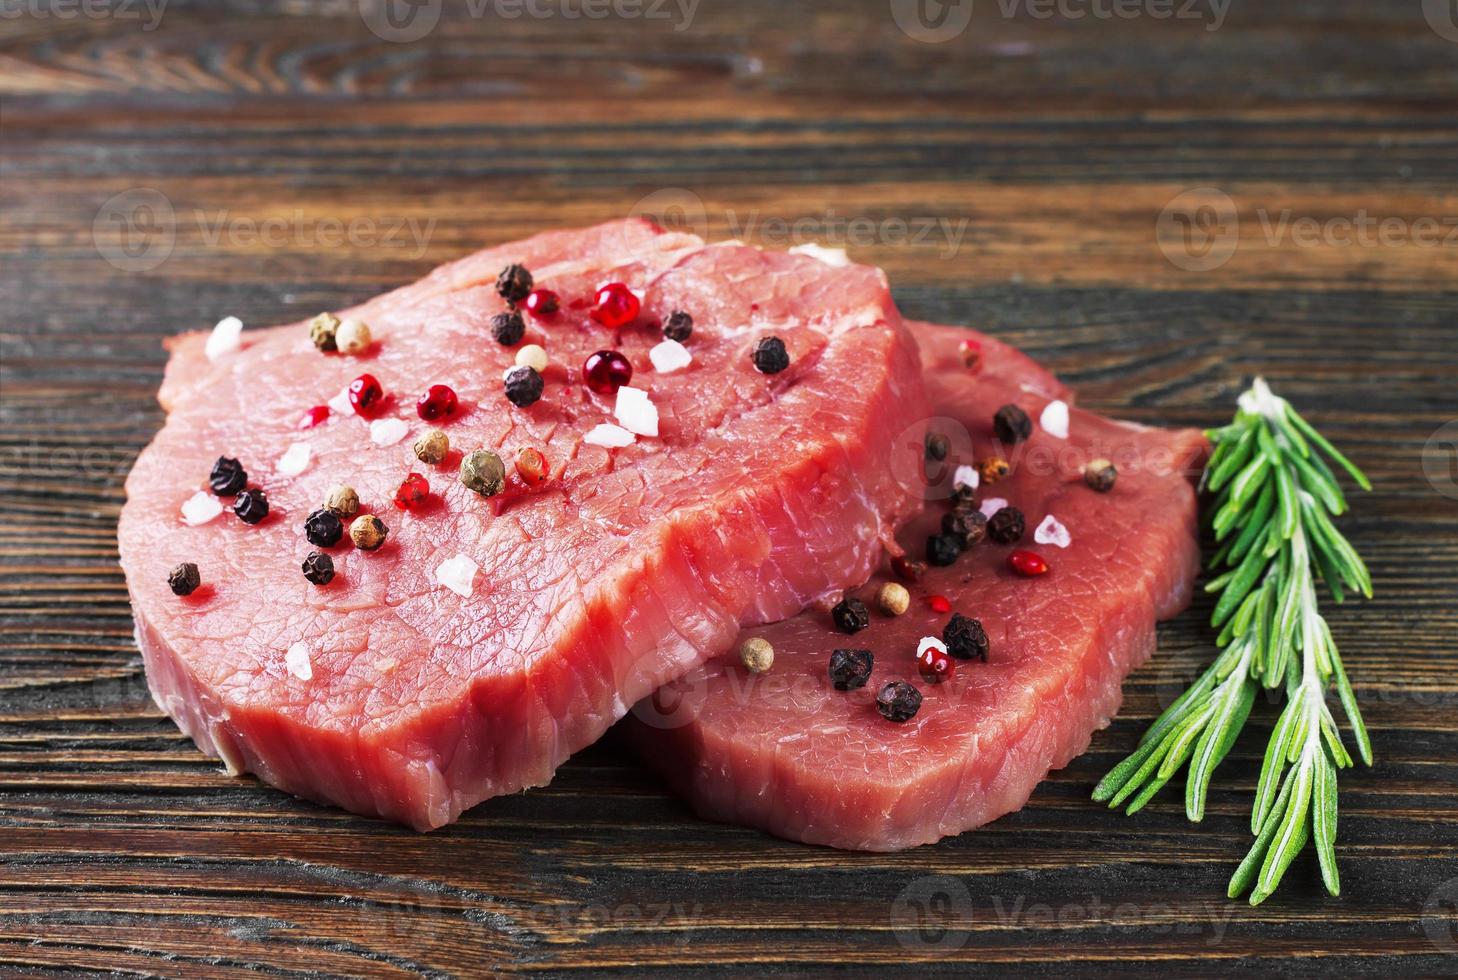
(483, 472)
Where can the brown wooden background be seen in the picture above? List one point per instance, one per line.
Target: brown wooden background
(1057, 140)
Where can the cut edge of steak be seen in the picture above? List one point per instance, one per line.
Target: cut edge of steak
(784, 753)
(754, 551)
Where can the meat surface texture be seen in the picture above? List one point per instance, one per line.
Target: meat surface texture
(786, 752)
(386, 693)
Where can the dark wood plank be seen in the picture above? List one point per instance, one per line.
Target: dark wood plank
(1041, 150)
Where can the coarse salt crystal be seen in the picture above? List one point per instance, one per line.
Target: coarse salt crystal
(295, 460)
(387, 432)
(1054, 419)
(1052, 531)
(297, 661)
(635, 412)
(459, 575)
(200, 508)
(991, 506)
(340, 405)
(611, 436)
(225, 338)
(966, 476)
(930, 643)
(669, 356)
(830, 256)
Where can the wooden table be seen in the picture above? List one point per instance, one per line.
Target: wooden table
(281, 158)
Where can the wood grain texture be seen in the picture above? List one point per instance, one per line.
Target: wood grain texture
(1039, 152)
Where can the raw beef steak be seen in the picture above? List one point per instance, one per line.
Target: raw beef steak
(787, 752)
(386, 692)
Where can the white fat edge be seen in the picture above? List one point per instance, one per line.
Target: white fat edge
(1053, 531)
(227, 337)
(825, 253)
(297, 662)
(295, 460)
(200, 508)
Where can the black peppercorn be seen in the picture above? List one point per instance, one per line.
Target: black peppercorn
(523, 386)
(251, 506)
(678, 325)
(319, 568)
(770, 356)
(956, 525)
(508, 328)
(942, 549)
(1006, 526)
(850, 669)
(514, 283)
(184, 579)
(937, 446)
(227, 477)
(963, 498)
(976, 527)
(898, 701)
(1012, 424)
(908, 570)
(323, 528)
(965, 638)
(1100, 475)
(850, 615)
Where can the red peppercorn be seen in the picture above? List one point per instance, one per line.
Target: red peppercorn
(616, 305)
(542, 302)
(606, 371)
(313, 416)
(531, 465)
(934, 664)
(1028, 563)
(437, 402)
(939, 603)
(971, 351)
(412, 493)
(365, 394)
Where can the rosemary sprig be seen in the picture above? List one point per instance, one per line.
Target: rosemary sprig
(1275, 497)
